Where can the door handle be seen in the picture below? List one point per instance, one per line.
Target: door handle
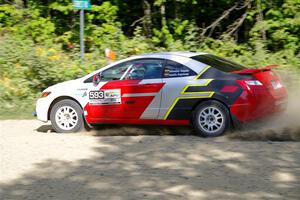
(129, 102)
(148, 85)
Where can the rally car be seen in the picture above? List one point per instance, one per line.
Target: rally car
(173, 88)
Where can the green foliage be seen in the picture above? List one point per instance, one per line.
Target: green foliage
(282, 26)
(9, 15)
(27, 69)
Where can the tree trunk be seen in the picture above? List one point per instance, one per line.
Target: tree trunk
(163, 14)
(176, 9)
(147, 24)
(260, 18)
(25, 4)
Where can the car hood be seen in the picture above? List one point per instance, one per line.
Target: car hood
(71, 84)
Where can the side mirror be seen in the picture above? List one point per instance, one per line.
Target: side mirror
(97, 78)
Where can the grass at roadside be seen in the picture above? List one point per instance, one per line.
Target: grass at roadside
(18, 110)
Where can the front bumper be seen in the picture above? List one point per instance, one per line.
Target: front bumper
(42, 107)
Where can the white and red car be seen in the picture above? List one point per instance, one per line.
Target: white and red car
(173, 88)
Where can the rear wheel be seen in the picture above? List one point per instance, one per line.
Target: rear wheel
(211, 119)
(66, 117)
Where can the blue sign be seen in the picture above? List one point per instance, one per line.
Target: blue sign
(82, 4)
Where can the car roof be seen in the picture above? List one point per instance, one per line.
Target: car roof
(163, 55)
(178, 53)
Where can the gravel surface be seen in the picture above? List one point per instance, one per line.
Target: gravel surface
(153, 164)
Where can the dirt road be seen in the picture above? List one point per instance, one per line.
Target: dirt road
(36, 164)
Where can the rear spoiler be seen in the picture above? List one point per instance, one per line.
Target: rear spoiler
(255, 70)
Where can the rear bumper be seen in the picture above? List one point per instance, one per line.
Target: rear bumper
(280, 105)
(256, 105)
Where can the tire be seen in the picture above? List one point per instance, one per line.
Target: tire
(211, 119)
(67, 117)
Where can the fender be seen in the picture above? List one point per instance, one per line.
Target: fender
(59, 98)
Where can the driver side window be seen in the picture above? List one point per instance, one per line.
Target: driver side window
(145, 69)
(133, 70)
(115, 72)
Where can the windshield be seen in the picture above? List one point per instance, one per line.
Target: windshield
(219, 63)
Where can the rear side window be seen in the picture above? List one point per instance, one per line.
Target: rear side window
(218, 63)
(174, 69)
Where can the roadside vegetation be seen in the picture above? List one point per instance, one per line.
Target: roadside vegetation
(39, 40)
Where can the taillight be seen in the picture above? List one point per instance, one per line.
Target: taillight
(276, 84)
(250, 84)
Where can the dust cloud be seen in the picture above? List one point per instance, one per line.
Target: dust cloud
(284, 127)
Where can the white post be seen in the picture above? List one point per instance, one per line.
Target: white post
(81, 36)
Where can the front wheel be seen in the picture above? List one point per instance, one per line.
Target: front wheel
(211, 119)
(66, 117)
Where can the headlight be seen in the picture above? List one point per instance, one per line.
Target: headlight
(45, 94)
(253, 82)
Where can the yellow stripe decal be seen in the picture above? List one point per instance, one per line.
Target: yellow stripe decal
(209, 94)
(204, 70)
(195, 85)
(171, 108)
